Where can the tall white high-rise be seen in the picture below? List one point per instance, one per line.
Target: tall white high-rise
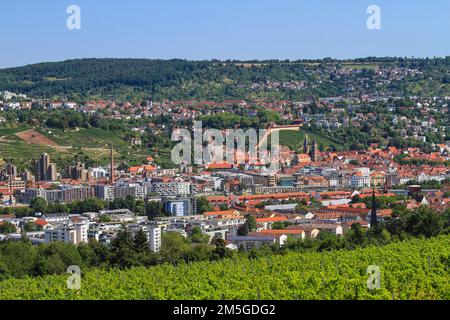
(154, 238)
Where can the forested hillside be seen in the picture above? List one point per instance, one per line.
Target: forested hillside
(127, 79)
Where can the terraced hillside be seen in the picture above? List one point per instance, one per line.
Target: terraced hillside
(24, 144)
(294, 140)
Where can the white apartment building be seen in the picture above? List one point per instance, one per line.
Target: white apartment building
(133, 189)
(99, 172)
(56, 218)
(104, 192)
(176, 189)
(154, 238)
(177, 208)
(74, 234)
(360, 178)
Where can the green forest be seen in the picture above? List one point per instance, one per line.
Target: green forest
(135, 79)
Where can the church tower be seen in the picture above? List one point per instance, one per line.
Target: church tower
(305, 145)
(314, 154)
(373, 213)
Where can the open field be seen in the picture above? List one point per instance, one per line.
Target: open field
(414, 269)
(24, 144)
(33, 137)
(294, 140)
(12, 147)
(89, 138)
(96, 142)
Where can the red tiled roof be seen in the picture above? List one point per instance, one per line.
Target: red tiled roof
(271, 219)
(41, 222)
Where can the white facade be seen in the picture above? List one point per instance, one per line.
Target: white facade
(172, 188)
(154, 238)
(99, 172)
(74, 234)
(133, 189)
(359, 180)
(104, 192)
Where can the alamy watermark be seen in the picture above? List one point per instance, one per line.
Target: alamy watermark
(374, 280)
(231, 146)
(73, 22)
(374, 20)
(74, 281)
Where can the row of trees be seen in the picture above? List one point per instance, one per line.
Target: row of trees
(21, 259)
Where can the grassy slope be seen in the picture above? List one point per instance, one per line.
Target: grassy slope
(96, 142)
(294, 140)
(93, 142)
(12, 147)
(416, 269)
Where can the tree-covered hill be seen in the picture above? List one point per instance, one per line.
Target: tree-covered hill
(129, 79)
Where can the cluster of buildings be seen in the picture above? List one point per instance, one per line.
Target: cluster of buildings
(327, 182)
(81, 228)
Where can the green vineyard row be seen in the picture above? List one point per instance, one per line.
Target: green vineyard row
(414, 269)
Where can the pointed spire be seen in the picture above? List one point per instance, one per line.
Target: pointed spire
(424, 201)
(306, 145)
(10, 173)
(373, 214)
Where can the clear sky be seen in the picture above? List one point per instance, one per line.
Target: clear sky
(35, 30)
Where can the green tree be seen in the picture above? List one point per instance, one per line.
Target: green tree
(203, 205)
(95, 254)
(141, 242)
(251, 223)
(424, 221)
(39, 205)
(197, 236)
(7, 227)
(173, 247)
(104, 218)
(17, 258)
(122, 248)
(54, 258)
(355, 235)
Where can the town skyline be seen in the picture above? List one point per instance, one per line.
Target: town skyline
(252, 150)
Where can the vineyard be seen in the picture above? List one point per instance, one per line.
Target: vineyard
(414, 269)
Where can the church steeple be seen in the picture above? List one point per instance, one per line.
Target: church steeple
(314, 151)
(305, 145)
(373, 214)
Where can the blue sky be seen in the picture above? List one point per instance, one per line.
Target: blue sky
(35, 31)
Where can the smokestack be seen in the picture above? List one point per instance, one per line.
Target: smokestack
(111, 172)
(10, 173)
